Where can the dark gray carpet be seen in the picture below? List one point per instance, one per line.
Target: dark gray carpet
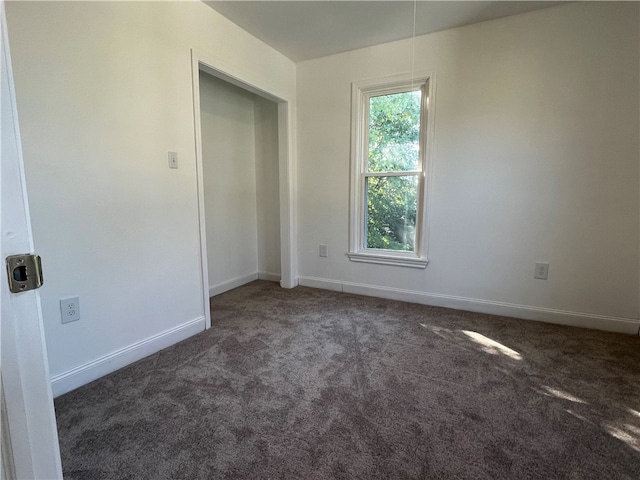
(310, 384)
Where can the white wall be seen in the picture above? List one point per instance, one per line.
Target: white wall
(240, 160)
(267, 188)
(104, 91)
(535, 159)
(228, 151)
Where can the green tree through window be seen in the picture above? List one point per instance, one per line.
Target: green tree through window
(393, 169)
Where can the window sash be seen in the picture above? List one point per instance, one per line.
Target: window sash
(364, 165)
(367, 124)
(365, 220)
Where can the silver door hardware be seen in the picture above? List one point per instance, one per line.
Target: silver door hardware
(24, 272)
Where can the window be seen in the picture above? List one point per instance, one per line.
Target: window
(388, 171)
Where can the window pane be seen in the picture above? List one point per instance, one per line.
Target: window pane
(391, 212)
(394, 132)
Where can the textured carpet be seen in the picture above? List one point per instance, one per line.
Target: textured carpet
(311, 384)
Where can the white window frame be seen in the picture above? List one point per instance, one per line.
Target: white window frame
(361, 92)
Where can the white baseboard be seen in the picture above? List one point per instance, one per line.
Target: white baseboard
(272, 277)
(323, 283)
(239, 281)
(526, 312)
(76, 377)
(231, 284)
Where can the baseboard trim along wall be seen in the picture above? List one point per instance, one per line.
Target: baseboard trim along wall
(76, 377)
(272, 277)
(222, 287)
(549, 315)
(239, 281)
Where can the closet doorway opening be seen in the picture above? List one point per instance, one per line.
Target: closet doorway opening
(242, 145)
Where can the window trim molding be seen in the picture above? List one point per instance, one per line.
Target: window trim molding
(359, 92)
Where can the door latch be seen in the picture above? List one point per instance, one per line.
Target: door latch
(24, 272)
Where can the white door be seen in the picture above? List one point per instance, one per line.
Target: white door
(30, 443)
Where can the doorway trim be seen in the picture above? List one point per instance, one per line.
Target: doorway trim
(286, 148)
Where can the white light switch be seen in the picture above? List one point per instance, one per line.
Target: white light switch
(173, 159)
(324, 250)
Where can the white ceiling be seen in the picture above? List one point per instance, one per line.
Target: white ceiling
(303, 30)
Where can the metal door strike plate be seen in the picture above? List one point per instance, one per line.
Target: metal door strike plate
(24, 272)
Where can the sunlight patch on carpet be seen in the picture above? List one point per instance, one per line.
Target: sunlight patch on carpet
(577, 415)
(624, 434)
(634, 412)
(491, 346)
(561, 394)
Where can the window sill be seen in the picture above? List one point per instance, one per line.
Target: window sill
(382, 259)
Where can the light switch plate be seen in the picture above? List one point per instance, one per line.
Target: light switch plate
(173, 159)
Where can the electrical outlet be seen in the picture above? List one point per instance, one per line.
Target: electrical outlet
(324, 250)
(173, 159)
(541, 271)
(70, 309)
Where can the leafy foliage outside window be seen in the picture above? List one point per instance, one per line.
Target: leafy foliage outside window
(394, 147)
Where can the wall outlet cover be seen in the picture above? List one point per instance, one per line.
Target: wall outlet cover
(541, 271)
(70, 309)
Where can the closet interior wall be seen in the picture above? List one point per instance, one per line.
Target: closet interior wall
(241, 189)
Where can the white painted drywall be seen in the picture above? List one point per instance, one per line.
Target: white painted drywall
(228, 152)
(267, 187)
(240, 164)
(104, 91)
(535, 159)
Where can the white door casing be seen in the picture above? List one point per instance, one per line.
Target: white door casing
(24, 365)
